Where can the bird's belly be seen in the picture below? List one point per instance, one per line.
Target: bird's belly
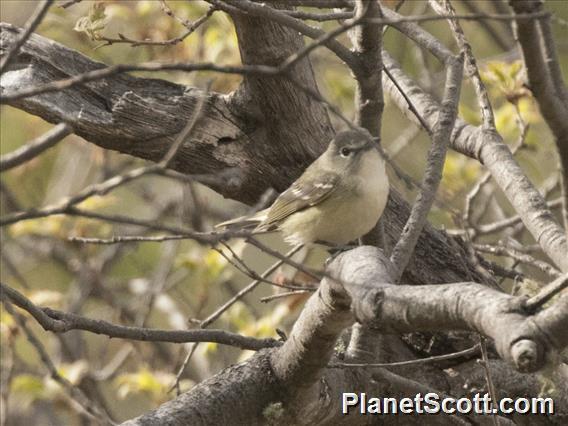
(336, 223)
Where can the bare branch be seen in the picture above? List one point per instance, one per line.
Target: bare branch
(488, 148)
(500, 250)
(223, 308)
(264, 11)
(547, 293)
(546, 83)
(436, 157)
(81, 402)
(484, 179)
(430, 360)
(367, 41)
(35, 147)
(400, 308)
(29, 28)
(191, 27)
(62, 322)
(470, 64)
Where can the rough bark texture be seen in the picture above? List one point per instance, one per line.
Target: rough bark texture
(360, 288)
(269, 130)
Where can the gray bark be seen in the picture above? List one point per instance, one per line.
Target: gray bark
(268, 129)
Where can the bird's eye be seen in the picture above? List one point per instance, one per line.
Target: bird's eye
(345, 152)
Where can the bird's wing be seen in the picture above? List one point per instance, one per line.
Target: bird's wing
(300, 196)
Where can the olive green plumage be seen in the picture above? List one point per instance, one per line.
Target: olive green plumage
(339, 198)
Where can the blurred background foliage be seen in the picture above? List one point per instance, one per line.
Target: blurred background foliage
(175, 284)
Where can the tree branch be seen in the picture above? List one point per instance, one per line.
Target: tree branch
(141, 117)
(441, 134)
(489, 149)
(546, 82)
(35, 147)
(62, 322)
(295, 376)
(29, 28)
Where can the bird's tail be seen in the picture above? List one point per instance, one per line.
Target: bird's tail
(244, 222)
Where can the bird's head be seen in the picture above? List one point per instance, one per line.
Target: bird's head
(348, 147)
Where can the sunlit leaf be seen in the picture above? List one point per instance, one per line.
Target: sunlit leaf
(74, 372)
(145, 7)
(154, 385)
(459, 172)
(505, 79)
(29, 386)
(48, 226)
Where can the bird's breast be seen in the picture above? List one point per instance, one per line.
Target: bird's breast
(346, 214)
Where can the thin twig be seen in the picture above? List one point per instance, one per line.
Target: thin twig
(499, 225)
(430, 360)
(29, 28)
(501, 250)
(62, 322)
(34, 148)
(285, 294)
(191, 27)
(471, 69)
(81, 402)
(484, 362)
(411, 106)
(547, 292)
(223, 308)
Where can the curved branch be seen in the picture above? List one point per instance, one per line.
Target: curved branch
(35, 147)
(490, 150)
(267, 143)
(62, 322)
(441, 134)
(522, 339)
(294, 377)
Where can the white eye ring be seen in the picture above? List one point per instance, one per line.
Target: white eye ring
(345, 152)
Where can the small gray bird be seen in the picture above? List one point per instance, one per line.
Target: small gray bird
(339, 198)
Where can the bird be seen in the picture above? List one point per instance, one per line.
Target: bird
(338, 199)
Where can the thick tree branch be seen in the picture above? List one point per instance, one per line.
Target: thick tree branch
(521, 339)
(141, 117)
(263, 11)
(367, 43)
(362, 289)
(545, 81)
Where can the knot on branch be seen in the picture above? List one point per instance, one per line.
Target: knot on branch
(525, 355)
(367, 307)
(58, 324)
